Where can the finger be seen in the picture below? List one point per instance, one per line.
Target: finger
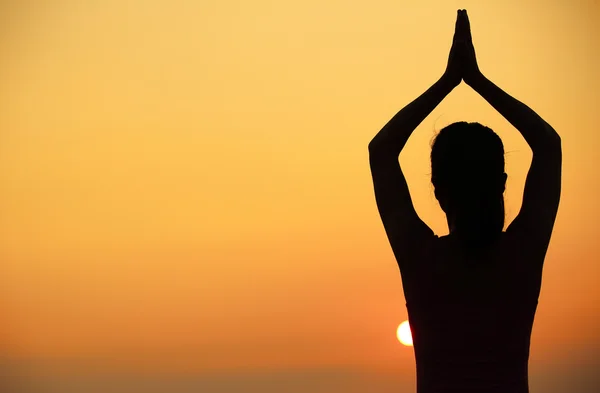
(466, 25)
(460, 33)
(458, 22)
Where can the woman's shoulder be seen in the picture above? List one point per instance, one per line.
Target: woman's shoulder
(450, 247)
(507, 250)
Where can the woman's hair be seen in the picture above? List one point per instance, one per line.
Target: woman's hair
(467, 172)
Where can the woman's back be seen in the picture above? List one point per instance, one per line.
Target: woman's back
(471, 318)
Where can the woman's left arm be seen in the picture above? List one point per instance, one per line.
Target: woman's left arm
(406, 232)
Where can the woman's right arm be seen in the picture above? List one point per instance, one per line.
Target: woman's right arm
(538, 134)
(541, 197)
(543, 184)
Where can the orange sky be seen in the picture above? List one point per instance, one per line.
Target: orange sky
(184, 185)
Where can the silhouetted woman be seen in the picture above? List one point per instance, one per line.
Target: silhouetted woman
(471, 296)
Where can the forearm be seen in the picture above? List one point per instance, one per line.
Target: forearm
(536, 132)
(394, 135)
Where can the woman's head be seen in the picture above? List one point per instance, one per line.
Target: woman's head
(467, 172)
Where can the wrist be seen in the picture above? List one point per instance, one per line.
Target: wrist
(475, 80)
(448, 83)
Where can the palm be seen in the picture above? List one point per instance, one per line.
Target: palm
(462, 63)
(470, 69)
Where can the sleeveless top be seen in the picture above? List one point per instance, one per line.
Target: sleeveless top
(471, 320)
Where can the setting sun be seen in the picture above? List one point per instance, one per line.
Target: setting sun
(403, 334)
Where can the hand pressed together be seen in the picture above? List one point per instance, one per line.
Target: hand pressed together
(462, 62)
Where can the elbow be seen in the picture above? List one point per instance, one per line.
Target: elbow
(547, 142)
(554, 141)
(550, 146)
(553, 135)
(373, 146)
(377, 152)
(379, 148)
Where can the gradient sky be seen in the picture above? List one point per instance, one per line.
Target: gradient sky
(185, 190)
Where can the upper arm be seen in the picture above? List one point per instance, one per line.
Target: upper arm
(535, 221)
(406, 232)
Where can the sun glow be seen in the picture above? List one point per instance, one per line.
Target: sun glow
(404, 335)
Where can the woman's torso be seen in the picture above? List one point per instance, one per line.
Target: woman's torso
(471, 318)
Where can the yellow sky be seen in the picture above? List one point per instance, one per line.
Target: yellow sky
(191, 178)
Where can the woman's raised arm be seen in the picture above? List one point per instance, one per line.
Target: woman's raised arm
(405, 230)
(541, 197)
